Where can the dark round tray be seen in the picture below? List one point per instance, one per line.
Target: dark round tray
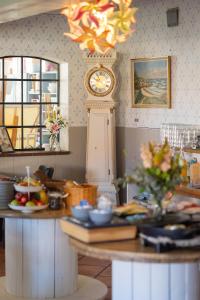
(155, 228)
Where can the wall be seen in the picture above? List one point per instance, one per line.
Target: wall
(43, 36)
(154, 39)
(66, 166)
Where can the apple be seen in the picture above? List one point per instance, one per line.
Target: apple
(23, 199)
(39, 203)
(18, 196)
(15, 202)
(30, 204)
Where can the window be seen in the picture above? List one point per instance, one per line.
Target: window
(29, 88)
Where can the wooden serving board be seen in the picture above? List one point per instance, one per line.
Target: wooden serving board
(114, 232)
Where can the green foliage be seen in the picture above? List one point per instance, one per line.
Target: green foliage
(161, 172)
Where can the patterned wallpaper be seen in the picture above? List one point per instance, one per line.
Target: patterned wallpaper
(43, 36)
(154, 38)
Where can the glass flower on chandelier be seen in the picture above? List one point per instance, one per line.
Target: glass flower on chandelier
(98, 25)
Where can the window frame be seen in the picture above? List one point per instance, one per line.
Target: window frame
(40, 126)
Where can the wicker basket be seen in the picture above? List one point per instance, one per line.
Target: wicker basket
(80, 192)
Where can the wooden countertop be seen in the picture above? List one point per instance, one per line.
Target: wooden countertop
(188, 191)
(43, 214)
(132, 250)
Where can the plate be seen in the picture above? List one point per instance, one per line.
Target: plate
(28, 209)
(27, 189)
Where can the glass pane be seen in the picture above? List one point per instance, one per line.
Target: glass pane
(1, 115)
(12, 67)
(12, 91)
(31, 68)
(31, 138)
(46, 108)
(12, 114)
(31, 115)
(45, 137)
(49, 92)
(31, 91)
(1, 66)
(49, 70)
(16, 137)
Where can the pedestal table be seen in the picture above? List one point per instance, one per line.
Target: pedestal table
(40, 263)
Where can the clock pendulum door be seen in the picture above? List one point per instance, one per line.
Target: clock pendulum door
(100, 161)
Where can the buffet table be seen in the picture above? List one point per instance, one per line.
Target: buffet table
(40, 263)
(138, 273)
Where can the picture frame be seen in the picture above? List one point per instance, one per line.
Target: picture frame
(5, 141)
(151, 82)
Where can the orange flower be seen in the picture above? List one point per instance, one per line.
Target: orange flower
(90, 40)
(105, 21)
(146, 156)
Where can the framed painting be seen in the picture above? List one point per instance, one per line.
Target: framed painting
(151, 82)
(5, 142)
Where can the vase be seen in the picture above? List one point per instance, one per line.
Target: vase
(158, 209)
(158, 212)
(54, 143)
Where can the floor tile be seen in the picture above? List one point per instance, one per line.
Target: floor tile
(92, 271)
(86, 260)
(107, 271)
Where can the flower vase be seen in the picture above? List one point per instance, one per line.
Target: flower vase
(158, 212)
(54, 143)
(159, 205)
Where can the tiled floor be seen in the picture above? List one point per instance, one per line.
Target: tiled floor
(100, 269)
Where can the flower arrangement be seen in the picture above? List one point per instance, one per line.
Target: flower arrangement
(160, 172)
(99, 24)
(54, 123)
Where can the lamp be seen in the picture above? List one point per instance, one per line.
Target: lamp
(98, 25)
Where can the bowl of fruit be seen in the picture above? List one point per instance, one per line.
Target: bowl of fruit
(29, 203)
(28, 185)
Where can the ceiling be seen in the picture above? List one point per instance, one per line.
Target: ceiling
(11, 10)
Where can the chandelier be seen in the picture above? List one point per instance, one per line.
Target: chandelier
(98, 25)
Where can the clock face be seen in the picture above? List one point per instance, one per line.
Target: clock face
(100, 81)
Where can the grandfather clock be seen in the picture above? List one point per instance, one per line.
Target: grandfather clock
(100, 84)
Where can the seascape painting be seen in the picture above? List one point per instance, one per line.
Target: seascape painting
(151, 82)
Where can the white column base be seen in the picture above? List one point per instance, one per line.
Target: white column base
(88, 289)
(155, 281)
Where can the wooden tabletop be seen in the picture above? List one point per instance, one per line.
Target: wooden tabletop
(132, 250)
(188, 191)
(42, 214)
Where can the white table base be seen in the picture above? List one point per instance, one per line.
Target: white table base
(155, 281)
(88, 289)
(40, 263)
